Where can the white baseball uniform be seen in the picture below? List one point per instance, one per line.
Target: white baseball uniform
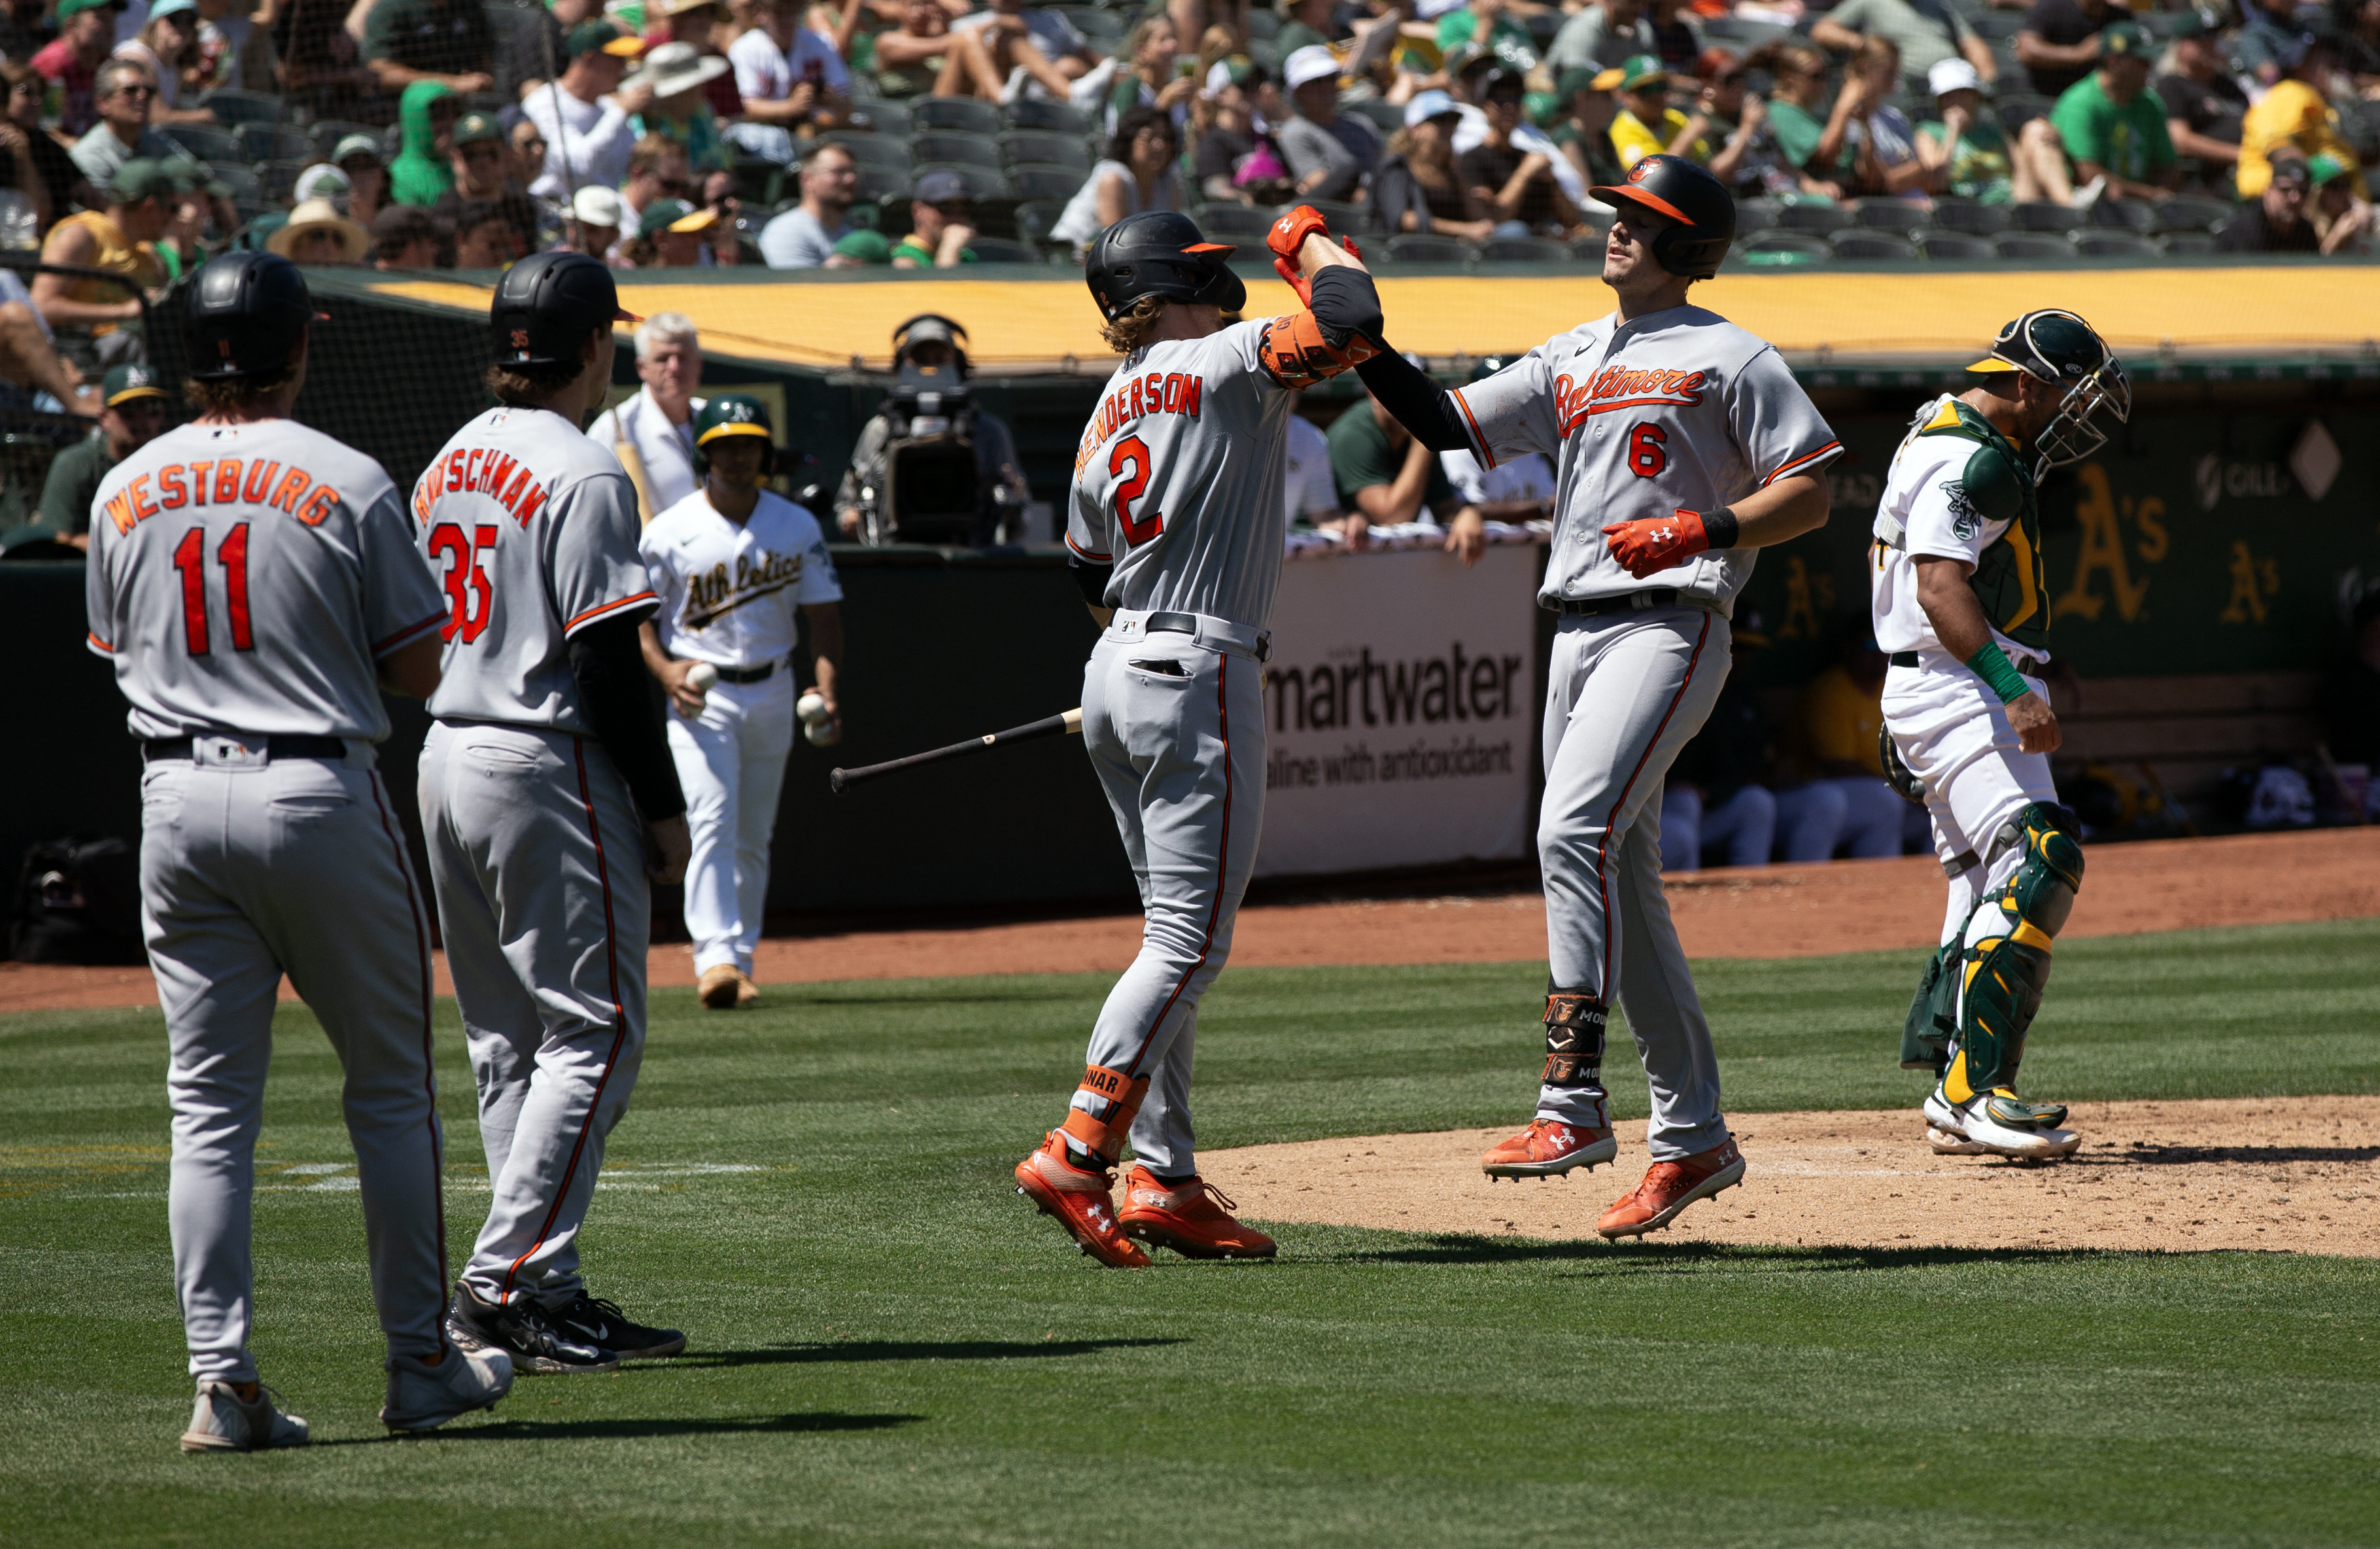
(1178, 485)
(246, 580)
(536, 847)
(729, 591)
(1677, 409)
(666, 450)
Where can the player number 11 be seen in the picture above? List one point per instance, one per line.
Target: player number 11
(189, 557)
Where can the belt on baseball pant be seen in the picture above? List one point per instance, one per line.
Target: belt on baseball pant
(744, 675)
(1220, 634)
(2024, 664)
(165, 748)
(1621, 602)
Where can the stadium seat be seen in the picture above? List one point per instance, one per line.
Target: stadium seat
(1783, 250)
(1428, 250)
(2027, 249)
(967, 115)
(1263, 23)
(1992, 25)
(874, 150)
(232, 106)
(1040, 180)
(208, 143)
(875, 182)
(884, 118)
(1232, 222)
(762, 181)
(1044, 148)
(326, 133)
(2186, 244)
(1387, 117)
(2040, 216)
(1872, 246)
(998, 249)
(1974, 219)
(982, 182)
(270, 142)
(964, 149)
(1949, 247)
(1897, 215)
(1817, 220)
(1752, 215)
(2189, 213)
(1035, 217)
(280, 178)
(1523, 250)
(1031, 113)
(2135, 216)
(2114, 244)
(1591, 248)
(1345, 220)
(2019, 108)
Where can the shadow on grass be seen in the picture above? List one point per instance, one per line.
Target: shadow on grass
(600, 1430)
(1704, 1258)
(890, 1350)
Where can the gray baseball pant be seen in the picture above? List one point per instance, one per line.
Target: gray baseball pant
(1624, 692)
(251, 869)
(537, 854)
(1181, 754)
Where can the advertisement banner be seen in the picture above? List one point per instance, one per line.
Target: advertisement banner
(1400, 705)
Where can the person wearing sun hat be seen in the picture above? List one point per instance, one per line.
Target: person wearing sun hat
(317, 233)
(585, 114)
(132, 412)
(681, 76)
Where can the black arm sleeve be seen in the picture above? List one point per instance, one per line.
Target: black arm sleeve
(613, 687)
(1090, 579)
(1346, 303)
(1420, 405)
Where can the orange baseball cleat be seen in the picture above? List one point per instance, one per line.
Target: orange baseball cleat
(1193, 1218)
(1082, 1202)
(1669, 1187)
(1549, 1149)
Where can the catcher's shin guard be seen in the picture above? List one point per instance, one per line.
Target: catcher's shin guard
(1932, 1023)
(2005, 964)
(1575, 1023)
(1101, 1113)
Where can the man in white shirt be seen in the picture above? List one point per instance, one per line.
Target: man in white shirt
(733, 563)
(585, 114)
(653, 429)
(788, 77)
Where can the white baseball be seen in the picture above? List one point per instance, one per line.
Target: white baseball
(702, 677)
(810, 709)
(823, 733)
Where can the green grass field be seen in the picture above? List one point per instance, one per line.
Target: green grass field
(890, 1347)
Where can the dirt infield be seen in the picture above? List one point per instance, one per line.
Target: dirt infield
(2296, 1174)
(1774, 911)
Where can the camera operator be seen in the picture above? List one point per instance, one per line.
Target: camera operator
(907, 481)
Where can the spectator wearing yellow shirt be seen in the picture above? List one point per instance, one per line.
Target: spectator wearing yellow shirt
(1834, 729)
(1647, 124)
(2296, 112)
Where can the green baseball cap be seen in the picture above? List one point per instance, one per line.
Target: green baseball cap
(192, 175)
(868, 247)
(2124, 39)
(123, 383)
(76, 7)
(732, 414)
(1644, 70)
(673, 214)
(589, 36)
(469, 130)
(141, 179)
(2197, 22)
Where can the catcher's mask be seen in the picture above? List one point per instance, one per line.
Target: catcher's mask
(2060, 349)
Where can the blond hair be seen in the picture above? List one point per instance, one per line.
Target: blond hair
(1131, 330)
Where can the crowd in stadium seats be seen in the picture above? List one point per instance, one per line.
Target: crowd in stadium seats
(936, 133)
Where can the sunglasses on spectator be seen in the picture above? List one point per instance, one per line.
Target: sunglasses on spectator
(136, 91)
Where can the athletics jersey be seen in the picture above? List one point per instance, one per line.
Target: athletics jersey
(728, 590)
(1956, 490)
(249, 578)
(532, 527)
(1178, 480)
(1678, 411)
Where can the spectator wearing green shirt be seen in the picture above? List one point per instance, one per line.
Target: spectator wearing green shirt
(132, 413)
(2112, 126)
(941, 223)
(1385, 476)
(1811, 145)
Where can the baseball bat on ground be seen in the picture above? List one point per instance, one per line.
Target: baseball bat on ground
(1066, 725)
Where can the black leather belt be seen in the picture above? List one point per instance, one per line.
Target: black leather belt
(1625, 601)
(2024, 664)
(744, 675)
(1187, 624)
(165, 748)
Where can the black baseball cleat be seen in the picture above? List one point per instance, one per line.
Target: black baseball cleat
(592, 1321)
(524, 1331)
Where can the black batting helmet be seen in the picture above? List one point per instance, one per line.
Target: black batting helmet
(1159, 252)
(247, 312)
(1699, 203)
(547, 304)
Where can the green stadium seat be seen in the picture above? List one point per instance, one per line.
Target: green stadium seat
(966, 116)
(874, 150)
(2025, 248)
(1783, 250)
(1523, 250)
(1232, 222)
(884, 118)
(2042, 216)
(1030, 112)
(1872, 246)
(1045, 148)
(270, 142)
(1040, 180)
(1950, 247)
(1428, 250)
(208, 144)
(233, 106)
(1816, 220)
(2189, 213)
(1897, 215)
(966, 149)
(2114, 244)
(1972, 219)
(999, 249)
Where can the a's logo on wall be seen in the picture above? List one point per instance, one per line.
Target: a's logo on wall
(2210, 481)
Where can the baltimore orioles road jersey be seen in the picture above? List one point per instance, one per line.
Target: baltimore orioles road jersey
(728, 590)
(249, 578)
(1178, 479)
(532, 530)
(1956, 490)
(1678, 411)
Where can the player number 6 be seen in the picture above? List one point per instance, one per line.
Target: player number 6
(1647, 450)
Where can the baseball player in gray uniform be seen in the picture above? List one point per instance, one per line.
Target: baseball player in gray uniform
(253, 583)
(1175, 525)
(1681, 442)
(732, 562)
(548, 799)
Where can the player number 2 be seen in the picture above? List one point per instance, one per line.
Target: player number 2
(190, 558)
(1135, 451)
(466, 578)
(1648, 450)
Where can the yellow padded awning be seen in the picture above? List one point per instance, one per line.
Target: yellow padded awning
(1029, 325)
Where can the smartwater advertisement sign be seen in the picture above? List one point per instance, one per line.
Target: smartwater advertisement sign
(1399, 702)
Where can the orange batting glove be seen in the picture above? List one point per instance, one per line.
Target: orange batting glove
(1651, 543)
(1287, 239)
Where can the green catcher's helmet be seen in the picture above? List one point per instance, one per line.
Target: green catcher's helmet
(733, 414)
(2060, 349)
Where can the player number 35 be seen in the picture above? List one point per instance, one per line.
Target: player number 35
(466, 578)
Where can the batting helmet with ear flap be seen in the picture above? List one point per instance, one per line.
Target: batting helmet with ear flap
(1687, 194)
(1161, 253)
(733, 414)
(247, 312)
